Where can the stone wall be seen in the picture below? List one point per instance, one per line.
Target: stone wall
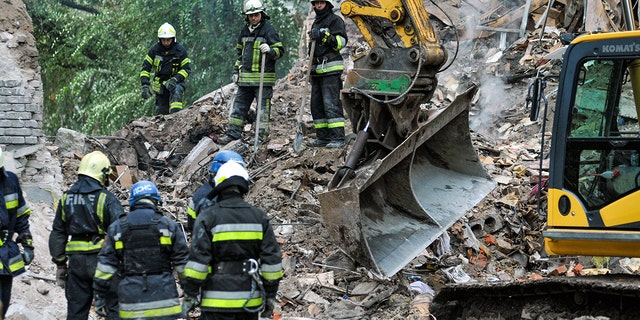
(20, 113)
(20, 81)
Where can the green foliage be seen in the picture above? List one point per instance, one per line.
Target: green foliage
(91, 53)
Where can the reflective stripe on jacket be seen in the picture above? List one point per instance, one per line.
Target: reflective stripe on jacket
(14, 219)
(147, 288)
(232, 230)
(248, 61)
(83, 213)
(165, 63)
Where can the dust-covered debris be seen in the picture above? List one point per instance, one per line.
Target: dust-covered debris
(499, 240)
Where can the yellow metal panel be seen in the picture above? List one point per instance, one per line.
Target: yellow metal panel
(623, 211)
(576, 216)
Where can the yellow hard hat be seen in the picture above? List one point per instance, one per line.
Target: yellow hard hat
(95, 165)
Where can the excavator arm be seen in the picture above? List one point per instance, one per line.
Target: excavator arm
(412, 172)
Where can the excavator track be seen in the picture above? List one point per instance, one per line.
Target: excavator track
(613, 296)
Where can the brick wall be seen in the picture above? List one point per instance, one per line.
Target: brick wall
(20, 112)
(21, 89)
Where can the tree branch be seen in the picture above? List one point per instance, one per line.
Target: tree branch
(76, 6)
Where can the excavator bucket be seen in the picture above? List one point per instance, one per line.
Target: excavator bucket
(392, 209)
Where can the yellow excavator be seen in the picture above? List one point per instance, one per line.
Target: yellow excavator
(412, 171)
(593, 189)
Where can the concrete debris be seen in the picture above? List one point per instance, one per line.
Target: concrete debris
(500, 240)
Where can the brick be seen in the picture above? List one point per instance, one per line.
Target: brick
(31, 140)
(31, 124)
(32, 107)
(11, 140)
(17, 132)
(19, 99)
(17, 115)
(12, 83)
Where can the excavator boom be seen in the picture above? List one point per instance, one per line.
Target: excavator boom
(412, 172)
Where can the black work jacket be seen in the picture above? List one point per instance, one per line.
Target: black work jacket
(327, 59)
(165, 63)
(84, 213)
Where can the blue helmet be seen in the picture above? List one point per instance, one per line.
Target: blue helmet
(222, 157)
(144, 189)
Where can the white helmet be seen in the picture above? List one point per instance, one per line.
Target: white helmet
(253, 6)
(166, 31)
(231, 174)
(329, 3)
(230, 169)
(1, 158)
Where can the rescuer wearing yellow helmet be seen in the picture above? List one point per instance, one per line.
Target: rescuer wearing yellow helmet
(82, 217)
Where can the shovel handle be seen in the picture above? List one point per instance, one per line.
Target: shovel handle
(259, 107)
(311, 52)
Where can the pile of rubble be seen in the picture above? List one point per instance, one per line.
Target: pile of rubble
(500, 239)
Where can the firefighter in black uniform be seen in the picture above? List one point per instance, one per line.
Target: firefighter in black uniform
(235, 240)
(203, 198)
(14, 219)
(145, 247)
(258, 38)
(168, 61)
(329, 33)
(84, 213)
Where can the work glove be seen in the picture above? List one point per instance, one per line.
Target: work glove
(264, 48)
(269, 306)
(146, 92)
(61, 275)
(316, 33)
(171, 84)
(27, 254)
(99, 305)
(236, 76)
(26, 240)
(188, 303)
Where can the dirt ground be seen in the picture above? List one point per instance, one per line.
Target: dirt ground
(320, 281)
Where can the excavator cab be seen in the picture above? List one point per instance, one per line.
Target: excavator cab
(594, 181)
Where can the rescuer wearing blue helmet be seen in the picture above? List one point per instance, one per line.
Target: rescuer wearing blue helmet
(200, 198)
(144, 247)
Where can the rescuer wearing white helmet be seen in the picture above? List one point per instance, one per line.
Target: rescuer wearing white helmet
(14, 220)
(168, 62)
(146, 248)
(83, 215)
(203, 196)
(330, 36)
(234, 258)
(258, 39)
